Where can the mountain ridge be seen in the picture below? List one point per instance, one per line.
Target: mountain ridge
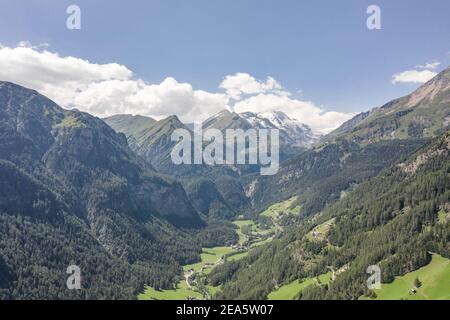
(423, 113)
(292, 132)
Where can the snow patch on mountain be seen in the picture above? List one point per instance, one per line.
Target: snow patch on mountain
(292, 131)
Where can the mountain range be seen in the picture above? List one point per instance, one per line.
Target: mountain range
(292, 132)
(151, 139)
(104, 194)
(377, 138)
(377, 188)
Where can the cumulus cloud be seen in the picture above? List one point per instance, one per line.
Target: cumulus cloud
(254, 95)
(413, 76)
(103, 89)
(60, 78)
(107, 89)
(155, 100)
(242, 83)
(432, 65)
(423, 74)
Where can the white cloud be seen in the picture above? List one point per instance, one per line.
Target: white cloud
(269, 95)
(432, 65)
(242, 83)
(107, 89)
(413, 76)
(427, 72)
(60, 78)
(103, 89)
(156, 100)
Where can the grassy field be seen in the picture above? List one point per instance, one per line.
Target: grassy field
(255, 230)
(443, 216)
(182, 292)
(325, 278)
(209, 255)
(240, 224)
(291, 290)
(212, 255)
(435, 278)
(320, 232)
(278, 209)
(237, 256)
(212, 290)
(261, 242)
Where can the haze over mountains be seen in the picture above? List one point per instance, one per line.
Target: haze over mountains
(104, 194)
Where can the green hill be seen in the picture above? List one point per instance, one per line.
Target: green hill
(434, 278)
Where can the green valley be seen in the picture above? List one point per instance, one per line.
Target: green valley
(277, 210)
(209, 257)
(392, 220)
(251, 235)
(209, 151)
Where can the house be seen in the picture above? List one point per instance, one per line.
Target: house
(239, 248)
(316, 234)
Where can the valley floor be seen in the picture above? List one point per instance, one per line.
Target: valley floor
(251, 235)
(435, 277)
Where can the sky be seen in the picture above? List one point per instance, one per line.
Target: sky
(314, 59)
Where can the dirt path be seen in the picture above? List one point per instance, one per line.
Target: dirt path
(187, 275)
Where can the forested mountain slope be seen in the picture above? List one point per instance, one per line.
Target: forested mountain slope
(359, 149)
(72, 192)
(322, 175)
(152, 140)
(394, 220)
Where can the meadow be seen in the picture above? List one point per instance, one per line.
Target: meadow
(435, 279)
(291, 290)
(182, 292)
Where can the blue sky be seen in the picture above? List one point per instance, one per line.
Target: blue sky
(322, 49)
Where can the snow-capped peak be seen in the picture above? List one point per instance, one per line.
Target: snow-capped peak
(291, 131)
